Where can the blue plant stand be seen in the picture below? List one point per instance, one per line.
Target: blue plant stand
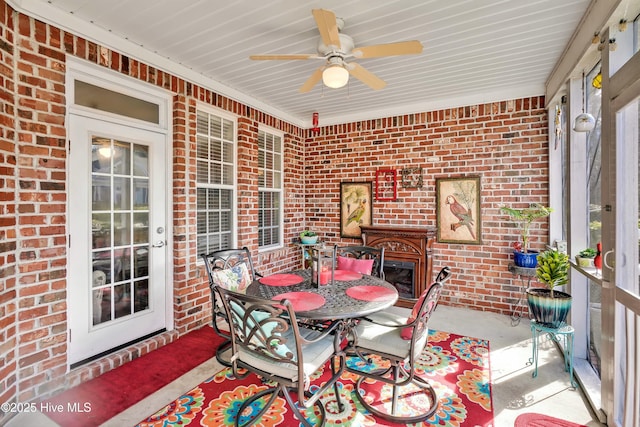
(564, 333)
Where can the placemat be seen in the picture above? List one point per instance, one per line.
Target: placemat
(281, 280)
(346, 275)
(370, 293)
(302, 301)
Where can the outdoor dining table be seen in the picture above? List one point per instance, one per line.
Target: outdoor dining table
(350, 296)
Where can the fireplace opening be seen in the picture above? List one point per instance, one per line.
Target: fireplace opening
(401, 275)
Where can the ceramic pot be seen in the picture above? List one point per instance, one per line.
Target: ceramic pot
(551, 312)
(528, 259)
(584, 262)
(309, 240)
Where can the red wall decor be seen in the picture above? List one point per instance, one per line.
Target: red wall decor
(386, 184)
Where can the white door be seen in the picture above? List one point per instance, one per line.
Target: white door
(117, 221)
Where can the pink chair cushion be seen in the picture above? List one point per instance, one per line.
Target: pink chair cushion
(362, 266)
(406, 333)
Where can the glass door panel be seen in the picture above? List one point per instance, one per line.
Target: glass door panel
(120, 228)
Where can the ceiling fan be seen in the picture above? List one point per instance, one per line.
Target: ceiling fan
(335, 47)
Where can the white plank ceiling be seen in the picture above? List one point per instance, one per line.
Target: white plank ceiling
(474, 50)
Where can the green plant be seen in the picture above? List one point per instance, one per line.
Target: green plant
(587, 253)
(308, 233)
(523, 219)
(553, 269)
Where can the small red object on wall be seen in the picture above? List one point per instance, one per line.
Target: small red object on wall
(386, 184)
(315, 128)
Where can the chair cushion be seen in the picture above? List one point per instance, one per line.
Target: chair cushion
(267, 328)
(362, 266)
(384, 339)
(314, 356)
(236, 278)
(407, 332)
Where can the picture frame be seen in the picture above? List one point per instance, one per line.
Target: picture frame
(458, 210)
(412, 177)
(355, 208)
(386, 185)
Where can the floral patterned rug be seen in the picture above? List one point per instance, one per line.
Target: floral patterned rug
(457, 367)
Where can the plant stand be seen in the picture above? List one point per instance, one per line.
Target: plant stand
(564, 332)
(520, 308)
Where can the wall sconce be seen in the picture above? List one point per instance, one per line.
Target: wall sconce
(584, 122)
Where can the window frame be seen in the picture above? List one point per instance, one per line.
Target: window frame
(233, 187)
(280, 191)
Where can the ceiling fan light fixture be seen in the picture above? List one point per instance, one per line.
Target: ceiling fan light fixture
(335, 76)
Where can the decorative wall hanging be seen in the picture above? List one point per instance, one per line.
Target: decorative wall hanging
(458, 210)
(411, 177)
(355, 208)
(386, 184)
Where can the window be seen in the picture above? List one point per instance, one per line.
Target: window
(270, 189)
(215, 181)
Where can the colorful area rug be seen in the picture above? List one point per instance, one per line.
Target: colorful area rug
(111, 393)
(456, 366)
(541, 420)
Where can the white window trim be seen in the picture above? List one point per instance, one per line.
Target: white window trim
(280, 134)
(206, 108)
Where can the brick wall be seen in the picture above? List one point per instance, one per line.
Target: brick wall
(505, 143)
(8, 214)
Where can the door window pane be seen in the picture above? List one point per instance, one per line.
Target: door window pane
(119, 228)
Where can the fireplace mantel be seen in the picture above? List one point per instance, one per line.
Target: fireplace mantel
(405, 244)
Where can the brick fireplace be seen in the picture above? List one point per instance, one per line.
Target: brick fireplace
(408, 257)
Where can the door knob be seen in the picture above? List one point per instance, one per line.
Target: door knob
(160, 244)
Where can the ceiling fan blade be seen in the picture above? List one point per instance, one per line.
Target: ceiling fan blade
(401, 48)
(366, 77)
(311, 81)
(328, 27)
(283, 57)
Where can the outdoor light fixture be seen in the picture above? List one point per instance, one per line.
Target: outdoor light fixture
(335, 76)
(585, 122)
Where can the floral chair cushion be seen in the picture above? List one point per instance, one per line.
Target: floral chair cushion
(236, 278)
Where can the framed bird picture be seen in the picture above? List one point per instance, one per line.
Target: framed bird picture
(355, 208)
(458, 210)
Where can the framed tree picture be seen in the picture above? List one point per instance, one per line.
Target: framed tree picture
(458, 210)
(355, 208)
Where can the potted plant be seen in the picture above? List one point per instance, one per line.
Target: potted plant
(548, 306)
(308, 237)
(522, 255)
(585, 257)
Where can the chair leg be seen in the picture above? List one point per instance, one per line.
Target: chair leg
(334, 372)
(275, 392)
(399, 393)
(298, 414)
(223, 354)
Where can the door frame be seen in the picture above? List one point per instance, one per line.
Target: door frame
(82, 70)
(621, 85)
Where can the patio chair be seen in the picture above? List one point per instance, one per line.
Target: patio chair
(397, 341)
(267, 341)
(361, 259)
(231, 269)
